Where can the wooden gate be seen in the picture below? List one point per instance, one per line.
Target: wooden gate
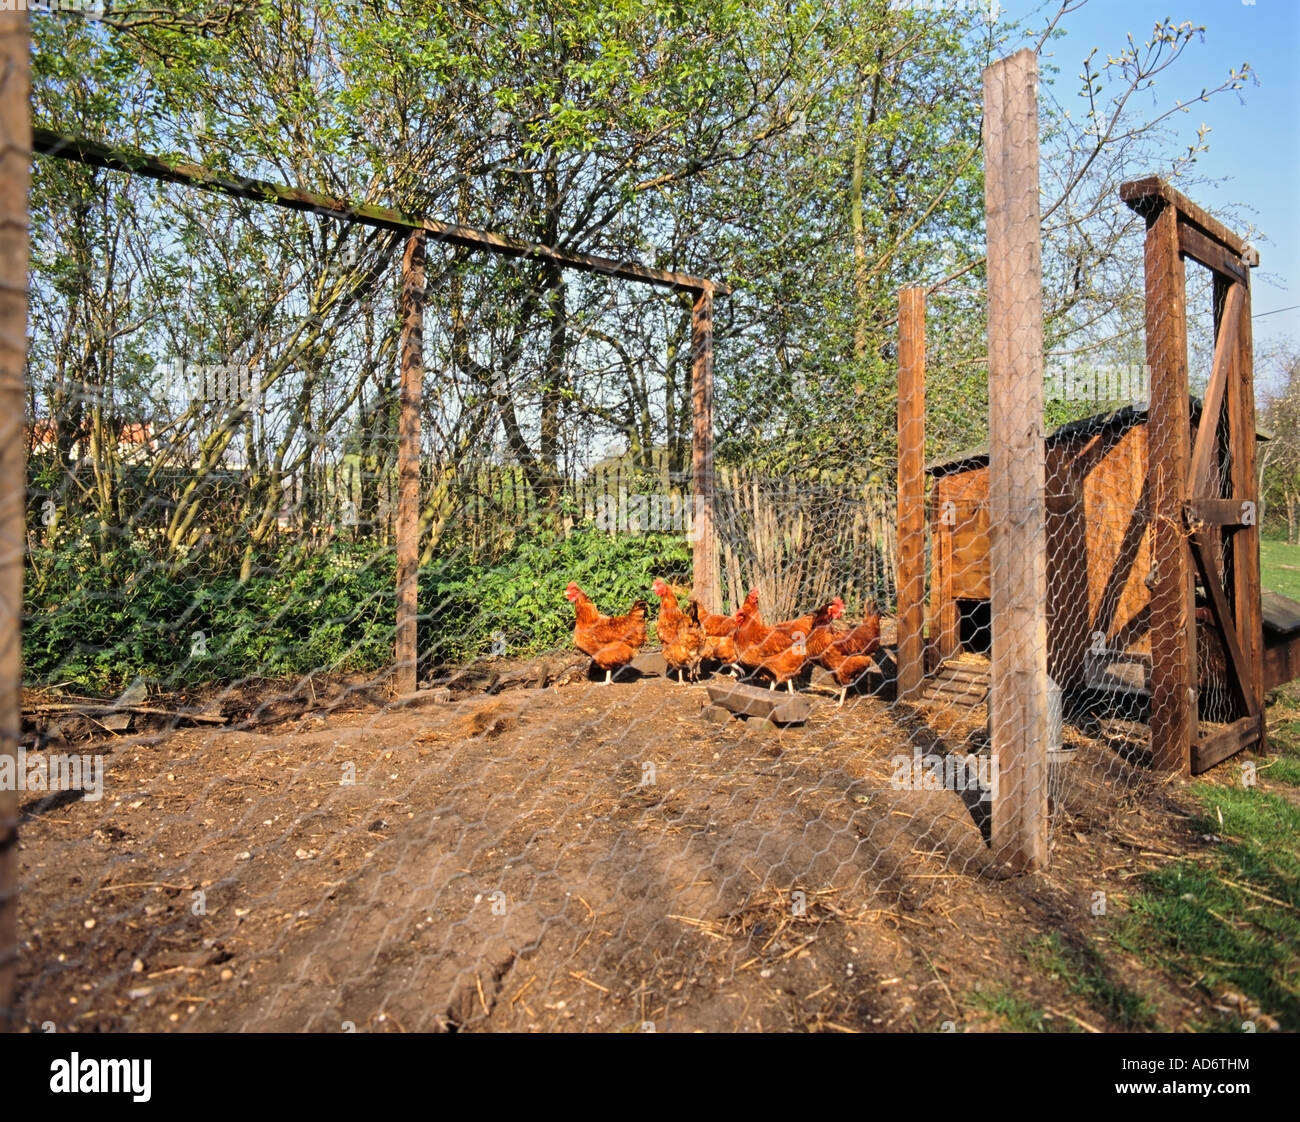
(1203, 496)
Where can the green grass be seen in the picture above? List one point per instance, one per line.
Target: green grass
(1084, 973)
(1013, 1012)
(1279, 567)
(1224, 919)
(1228, 918)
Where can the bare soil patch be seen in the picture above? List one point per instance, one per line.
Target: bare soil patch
(574, 857)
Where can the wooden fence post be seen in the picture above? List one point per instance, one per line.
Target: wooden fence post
(1018, 703)
(406, 652)
(1246, 584)
(15, 157)
(911, 491)
(1169, 441)
(704, 549)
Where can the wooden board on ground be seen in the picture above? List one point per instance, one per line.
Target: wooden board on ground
(751, 701)
(1218, 746)
(439, 695)
(650, 663)
(961, 681)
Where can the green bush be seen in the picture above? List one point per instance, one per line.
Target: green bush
(100, 624)
(520, 600)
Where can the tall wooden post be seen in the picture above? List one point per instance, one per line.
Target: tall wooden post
(1246, 584)
(1169, 440)
(15, 156)
(1017, 509)
(704, 549)
(408, 464)
(911, 491)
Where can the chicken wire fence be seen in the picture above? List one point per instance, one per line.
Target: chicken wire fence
(524, 847)
(231, 823)
(521, 846)
(212, 763)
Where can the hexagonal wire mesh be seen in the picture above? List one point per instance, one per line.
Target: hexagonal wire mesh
(232, 822)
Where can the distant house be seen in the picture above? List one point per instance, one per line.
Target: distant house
(136, 443)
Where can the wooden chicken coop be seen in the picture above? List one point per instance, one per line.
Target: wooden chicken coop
(1150, 513)
(1099, 553)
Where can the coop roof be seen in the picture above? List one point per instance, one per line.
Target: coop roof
(1281, 614)
(1123, 418)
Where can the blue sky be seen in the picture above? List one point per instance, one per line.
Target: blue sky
(1254, 142)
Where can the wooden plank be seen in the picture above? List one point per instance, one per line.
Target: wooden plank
(1247, 589)
(1281, 660)
(1212, 579)
(1017, 509)
(94, 154)
(1218, 746)
(704, 545)
(1077, 549)
(1172, 605)
(960, 553)
(970, 551)
(1225, 347)
(967, 693)
(1216, 512)
(911, 490)
(754, 701)
(90, 708)
(958, 674)
(15, 144)
(958, 685)
(1150, 196)
(408, 464)
(1210, 253)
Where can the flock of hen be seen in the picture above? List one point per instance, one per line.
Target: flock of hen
(742, 641)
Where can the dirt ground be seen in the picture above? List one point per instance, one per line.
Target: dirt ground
(581, 857)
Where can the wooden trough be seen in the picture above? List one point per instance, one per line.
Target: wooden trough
(1281, 639)
(777, 706)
